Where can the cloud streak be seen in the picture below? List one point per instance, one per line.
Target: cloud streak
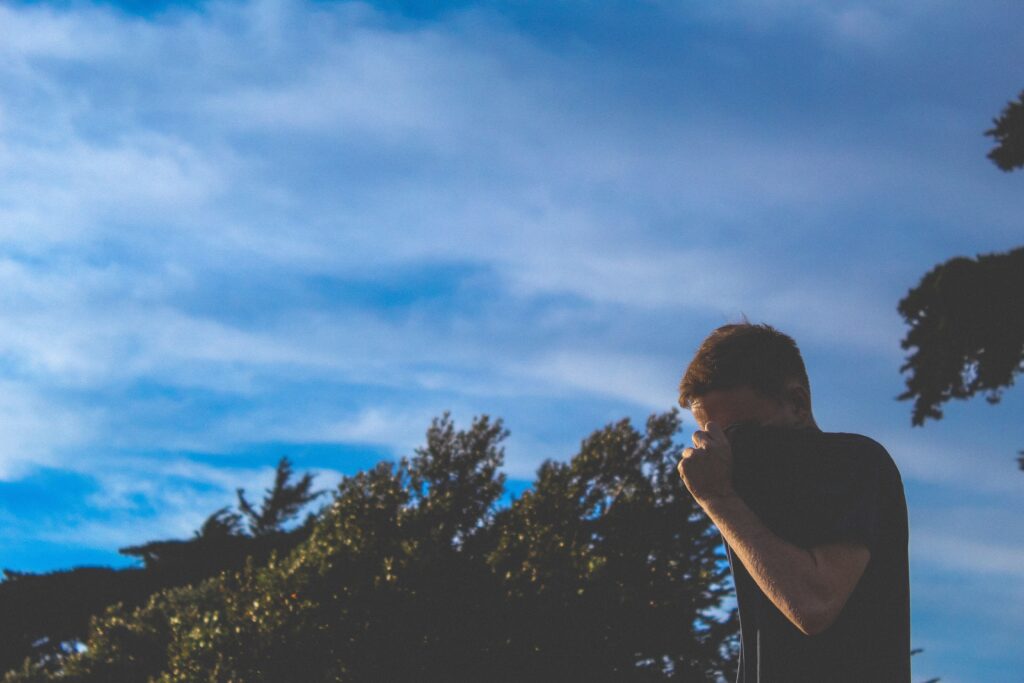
(272, 222)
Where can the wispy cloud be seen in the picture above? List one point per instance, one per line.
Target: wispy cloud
(967, 555)
(140, 190)
(294, 222)
(34, 429)
(956, 460)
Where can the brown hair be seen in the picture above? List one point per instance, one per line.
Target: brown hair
(744, 355)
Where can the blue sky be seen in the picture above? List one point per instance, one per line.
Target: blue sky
(231, 231)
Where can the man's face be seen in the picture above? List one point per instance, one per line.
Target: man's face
(727, 406)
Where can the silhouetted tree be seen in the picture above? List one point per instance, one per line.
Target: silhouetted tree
(44, 615)
(220, 524)
(222, 534)
(282, 502)
(1008, 131)
(611, 567)
(967, 323)
(966, 316)
(606, 570)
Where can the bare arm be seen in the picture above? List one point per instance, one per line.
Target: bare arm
(809, 587)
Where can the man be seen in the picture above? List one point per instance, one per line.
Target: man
(814, 523)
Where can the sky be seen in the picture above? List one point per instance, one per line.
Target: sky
(232, 231)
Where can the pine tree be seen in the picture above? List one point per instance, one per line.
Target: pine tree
(47, 615)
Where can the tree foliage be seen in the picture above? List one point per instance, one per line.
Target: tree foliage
(966, 320)
(1008, 131)
(966, 316)
(605, 569)
(282, 502)
(48, 613)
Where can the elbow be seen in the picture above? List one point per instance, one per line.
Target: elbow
(817, 619)
(810, 627)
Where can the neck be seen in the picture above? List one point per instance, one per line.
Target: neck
(809, 423)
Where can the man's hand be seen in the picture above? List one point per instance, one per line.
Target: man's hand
(707, 469)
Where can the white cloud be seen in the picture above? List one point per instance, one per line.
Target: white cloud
(33, 32)
(634, 378)
(864, 26)
(33, 429)
(176, 172)
(149, 498)
(976, 538)
(400, 432)
(961, 462)
(955, 552)
(861, 23)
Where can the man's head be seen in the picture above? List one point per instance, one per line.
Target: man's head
(746, 372)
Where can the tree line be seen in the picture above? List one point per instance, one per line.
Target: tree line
(605, 568)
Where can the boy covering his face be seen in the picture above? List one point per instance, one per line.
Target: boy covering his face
(814, 522)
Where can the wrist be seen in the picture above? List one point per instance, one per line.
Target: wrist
(723, 498)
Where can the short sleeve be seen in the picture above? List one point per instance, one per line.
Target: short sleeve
(855, 510)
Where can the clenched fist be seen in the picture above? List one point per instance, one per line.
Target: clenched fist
(706, 469)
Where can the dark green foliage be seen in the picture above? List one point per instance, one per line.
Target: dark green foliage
(610, 565)
(221, 524)
(53, 609)
(966, 320)
(966, 316)
(282, 502)
(46, 613)
(605, 570)
(1009, 133)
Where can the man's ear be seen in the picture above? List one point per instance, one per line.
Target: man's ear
(799, 398)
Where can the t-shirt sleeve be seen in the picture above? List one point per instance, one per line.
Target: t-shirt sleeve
(855, 513)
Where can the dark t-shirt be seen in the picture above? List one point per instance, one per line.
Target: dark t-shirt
(812, 487)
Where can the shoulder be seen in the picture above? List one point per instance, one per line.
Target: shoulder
(861, 451)
(855, 443)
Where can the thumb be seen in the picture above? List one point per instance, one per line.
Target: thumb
(714, 430)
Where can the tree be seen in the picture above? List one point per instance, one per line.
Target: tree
(221, 536)
(46, 615)
(1009, 132)
(282, 502)
(966, 316)
(967, 323)
(613, 566)
(605, 569)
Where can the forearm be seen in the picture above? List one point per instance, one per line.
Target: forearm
(786, 574)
